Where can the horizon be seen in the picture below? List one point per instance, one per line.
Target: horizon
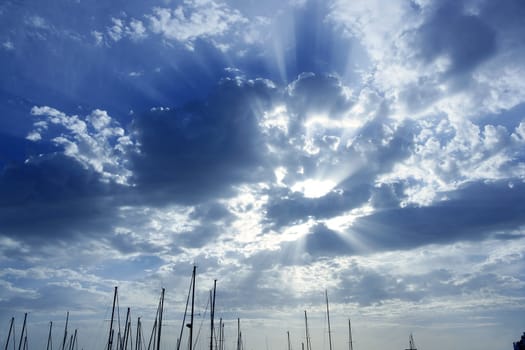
(371, 149)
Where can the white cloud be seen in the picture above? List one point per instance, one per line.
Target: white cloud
(98, 36)
(193, 20)
(116, 31)
(8, 45)
(133, 29)
(96, 141)
(136, 30)
(37, 22)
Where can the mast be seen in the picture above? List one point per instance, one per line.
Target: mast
(152, 337)
(289, 345)
(411, 343)
(22, 334)
(49, 340)
(212, 312)
(161, 309)
(350, 341)
(138, 339)
(110, 337)
(308, 342)
(192, 305)
(219, 343)
(328, 317)
(9, 334)
(124, 340)
(238, 334)
(74, 340)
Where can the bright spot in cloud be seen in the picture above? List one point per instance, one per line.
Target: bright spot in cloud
(313, 188)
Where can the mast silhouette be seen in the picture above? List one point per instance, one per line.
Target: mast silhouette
(49, 340)
(9, 334)
(212, 312)
(192, 305)
(22, 334)
(350, 341)
(110, 336)
(307, 331)
(328, 317)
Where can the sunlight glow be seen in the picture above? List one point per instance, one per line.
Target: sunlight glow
(313, 188)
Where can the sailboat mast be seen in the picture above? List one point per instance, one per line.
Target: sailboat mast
(123, 342)
(9, 334)
(328, 317)
(110, 337)
(161, 309)
(192, 305)
(49, 341)
(23, 330)
(212, 312)
(238, 334)
(289, 344)
(350, 336)
(308, 342)
(138, 336)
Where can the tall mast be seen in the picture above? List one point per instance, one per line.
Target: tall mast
(289, 344)
(65, 332)
(110, 337)
(23, 330)
(138, 339)
(123, 342)
(308, 342)
(75, 342)
(192, 305)
(49, 340)
(212, 312)
(411, 343)
(238, 334)
(219, 345)
(328, 317)
(350, 341)
(161, 309)
(9, 334)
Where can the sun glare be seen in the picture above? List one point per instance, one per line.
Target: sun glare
(312, 188)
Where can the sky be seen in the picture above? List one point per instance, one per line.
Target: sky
(371, 150)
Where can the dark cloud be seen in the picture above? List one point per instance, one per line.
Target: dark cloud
(200, 151)
(464, 38)
(211, 212)
(311, 94)
(473, 212)
(295, 208)
(322, 242)
(54, 197)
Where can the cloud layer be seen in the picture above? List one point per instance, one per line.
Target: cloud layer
(372, 149)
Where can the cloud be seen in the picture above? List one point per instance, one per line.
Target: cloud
(476, 211)
(133, 29)
(201, 150)
(52, 198)
(8, 45)
(426, 67)
(193, 20)
(96, 142)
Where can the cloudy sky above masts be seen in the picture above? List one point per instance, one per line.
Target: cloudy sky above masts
(372, 148)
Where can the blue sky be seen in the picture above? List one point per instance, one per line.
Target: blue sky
(374, 149)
